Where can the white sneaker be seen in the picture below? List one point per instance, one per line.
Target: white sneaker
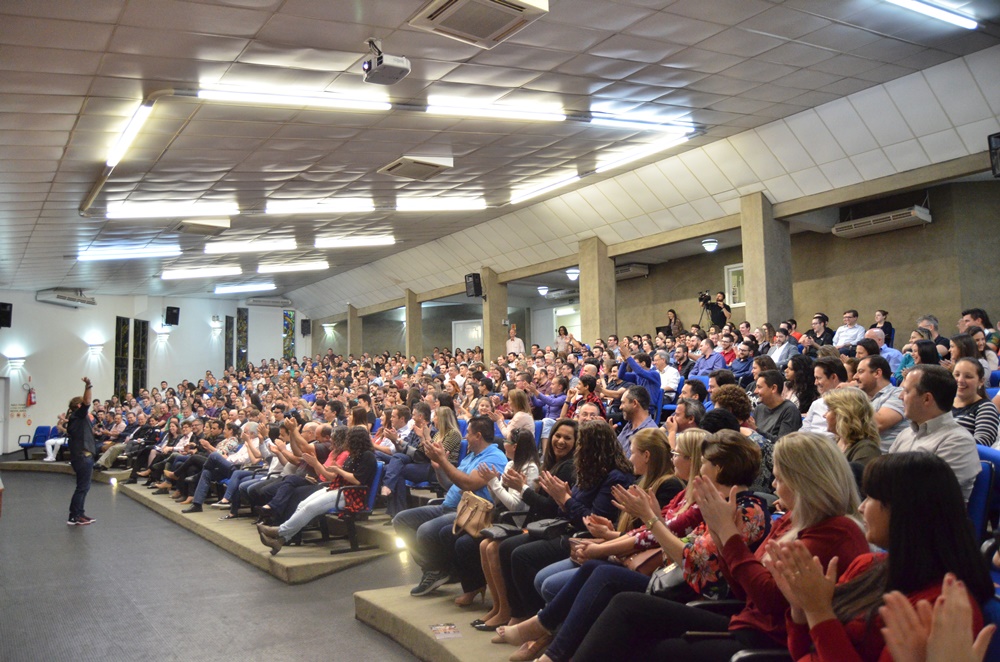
(48, 459)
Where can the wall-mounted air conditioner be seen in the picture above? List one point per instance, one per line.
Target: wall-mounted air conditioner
(894, 220)
(271, 302)
(62, 296)
(560, 295)
(482, 23)
(626, 271)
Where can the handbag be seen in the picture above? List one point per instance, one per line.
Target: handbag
(501, 531)
(548, 529)
(664, 580)
(645, 561)
(474, 514)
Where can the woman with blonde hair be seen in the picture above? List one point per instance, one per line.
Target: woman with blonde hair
(851, 418)
(522, 418)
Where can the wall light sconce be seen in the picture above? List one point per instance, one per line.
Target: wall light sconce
(96, 350)
(709, 244)
(327, 328)
(162, 335)
(542, 290)
(15, 362)
(572, 273)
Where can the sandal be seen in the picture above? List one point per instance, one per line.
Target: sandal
(229, 516)
(531, 650)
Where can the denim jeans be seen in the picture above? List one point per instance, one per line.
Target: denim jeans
(427, 533)
(399, 470)
(216, 468)
(553, 577)
(83, 465)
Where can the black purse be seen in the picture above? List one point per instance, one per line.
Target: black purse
(549, 529)
(501, 531)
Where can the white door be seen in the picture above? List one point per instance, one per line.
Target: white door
(7, 445)
(466, 334)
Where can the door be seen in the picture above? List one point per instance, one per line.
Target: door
(466, 334)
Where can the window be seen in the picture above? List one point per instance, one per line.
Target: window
(735, 291)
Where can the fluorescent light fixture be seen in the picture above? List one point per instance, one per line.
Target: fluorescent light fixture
(260, 246)
(132, 129)
(440, 204)
(327, 328)
(171, 209)
(542, 290)
(248, 287)
(938, 13)
(275, 98)
(121, 253)
(573, 273)
(710, 244)
(641, 153)
(542, 190)
(354, 242)
(204, 272)
(458, 107)
(639, 125)
(319, 265)
(96, 350)
(327, 206)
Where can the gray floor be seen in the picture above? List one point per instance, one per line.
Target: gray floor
(133, 586)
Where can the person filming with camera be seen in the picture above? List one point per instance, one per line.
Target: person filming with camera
(718, 310)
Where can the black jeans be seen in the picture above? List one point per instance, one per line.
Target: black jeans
(637, 626)
(520, 560)
(83, 465)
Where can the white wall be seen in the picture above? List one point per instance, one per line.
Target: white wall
(55, 340)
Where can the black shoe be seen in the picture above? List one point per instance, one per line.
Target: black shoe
(83, 519)
(99, 468)
(194, 508)
(161, 490)
(388, 522)
(477, 622)
(483, 627)
(131, 481)
(431, 581)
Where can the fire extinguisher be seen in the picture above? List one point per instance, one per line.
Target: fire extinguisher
(32, 400)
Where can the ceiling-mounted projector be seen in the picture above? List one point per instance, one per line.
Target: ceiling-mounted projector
(381, 68)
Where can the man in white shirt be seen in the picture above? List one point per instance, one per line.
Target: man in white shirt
(514, 344)
(928, 393)
(782, 350)
(829, 373)
(848, 335)
(669, 376)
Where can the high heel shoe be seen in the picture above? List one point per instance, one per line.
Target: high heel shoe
(482, 626)
(468, 599)
(531, 650)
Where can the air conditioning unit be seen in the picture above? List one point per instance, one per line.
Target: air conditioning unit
(204, 227)
(420, 168)
(271, 302)
(482, 23)
(894, 220)
(560, 295)
(626, 271)
(64, 296)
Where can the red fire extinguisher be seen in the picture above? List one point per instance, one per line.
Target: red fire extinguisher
(32, 400)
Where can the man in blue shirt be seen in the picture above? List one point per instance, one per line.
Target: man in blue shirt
(709, 362)
(426, 530)
(893, 356)
(742, 366)
(635, 406)
(643, 375)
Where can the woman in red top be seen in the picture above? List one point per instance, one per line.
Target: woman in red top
(916, 512)
(815, 482)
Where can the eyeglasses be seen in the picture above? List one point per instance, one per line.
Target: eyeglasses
(679, 454)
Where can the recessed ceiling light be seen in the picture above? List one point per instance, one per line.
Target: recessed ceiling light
(937, 12)
(542, 290)
(126, 253)
(573, 273)
(352, 242)
(275, 98)
(259, 246)
(249, 287)
(202, 272)
(171, 209)
(327, 206)
(299, 266)
(710, 244)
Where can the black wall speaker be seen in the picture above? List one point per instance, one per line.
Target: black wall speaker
(173, 316)
(473, 285)
(306, 327)
(6, 314)
(994, 142)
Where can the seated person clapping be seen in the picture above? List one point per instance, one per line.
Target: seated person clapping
(909, 495)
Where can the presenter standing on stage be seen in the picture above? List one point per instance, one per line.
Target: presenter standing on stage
(81, 454)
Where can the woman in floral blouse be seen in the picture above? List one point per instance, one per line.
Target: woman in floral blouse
(730, 462)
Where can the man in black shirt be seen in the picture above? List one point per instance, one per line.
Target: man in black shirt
(817, 336)
(81, 454)
(718, 310)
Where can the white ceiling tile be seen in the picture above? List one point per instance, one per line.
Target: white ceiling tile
(756, 154)
(679, 175)
(673, 28)
(985, 68)
(606, 211)
(644, 225)
(782, 188)
(662, 188)
(814, 136)
(907, 155)
(729, 161)
(620, 197)
(841, 173)
(880, 115)
(785, 146)
(846, 125)
(639, 193)
(943, 146)
(665, 220)
(730, 12)
(957, 92)
(708, 208)
(686, 214)
(811, 181)
(973, 135)
(914, 99)
(706, 171)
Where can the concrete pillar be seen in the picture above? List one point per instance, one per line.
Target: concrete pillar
(598, 315)
(354, 322)
(494, 313)
(414, 325)
(767, 262)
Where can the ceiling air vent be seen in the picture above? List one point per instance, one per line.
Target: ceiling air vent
(270, 302)
(62, 296)
(894, 220)
(482, 23)
(626, 271)
(205, 227)
(417, 167)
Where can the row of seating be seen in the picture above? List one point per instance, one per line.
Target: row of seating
(37, 440)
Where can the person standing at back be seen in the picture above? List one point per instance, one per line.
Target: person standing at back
(81, 454)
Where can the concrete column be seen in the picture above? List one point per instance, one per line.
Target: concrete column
(414, 325)
(494, 313)
(767, 262)
(598, 315)
(354, 322)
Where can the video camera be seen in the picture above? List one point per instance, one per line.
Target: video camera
(704, 297)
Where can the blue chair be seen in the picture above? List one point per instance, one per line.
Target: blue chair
(995, 378)
(378, 424)
(463, 426)
(463, 450)
(991, 392)
(669, 409)
(992, 455)
(538, 434)
(980, 499)
(37, 440)
(991, 614)
(348, 520)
